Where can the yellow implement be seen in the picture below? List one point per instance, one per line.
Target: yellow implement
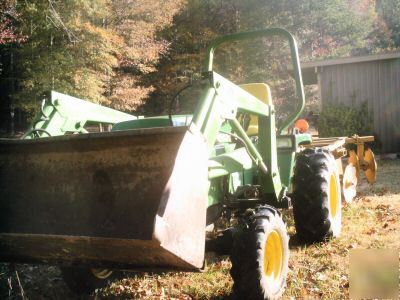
(362, 159)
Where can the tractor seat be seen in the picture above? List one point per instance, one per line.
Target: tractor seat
(263, 93)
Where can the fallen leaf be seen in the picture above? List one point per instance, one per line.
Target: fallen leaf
(321, 277)
(370, 231)
(304, 292)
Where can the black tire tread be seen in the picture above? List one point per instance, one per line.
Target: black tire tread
(246, 254)
(81, 280)
(310, 196)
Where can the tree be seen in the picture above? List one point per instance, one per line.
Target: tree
(135, 54)
(8, 19)
(94, 49)
(389, 11)
(138, 22)
(69, 49)
(10, 38)
(322, 28)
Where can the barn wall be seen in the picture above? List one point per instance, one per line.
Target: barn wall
(376, 82)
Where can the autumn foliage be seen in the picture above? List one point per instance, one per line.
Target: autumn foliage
(135, 54)
(9, 17)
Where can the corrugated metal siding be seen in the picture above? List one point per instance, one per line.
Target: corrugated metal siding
(376, 82)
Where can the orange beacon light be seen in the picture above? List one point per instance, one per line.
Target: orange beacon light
(302, 125)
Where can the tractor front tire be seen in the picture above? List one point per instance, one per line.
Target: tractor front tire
(260, 255)
(85, 280)
(316, 196)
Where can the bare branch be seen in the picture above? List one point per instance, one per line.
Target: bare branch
(71, 36)
(20, 286)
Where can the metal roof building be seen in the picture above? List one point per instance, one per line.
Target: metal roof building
(374, 79)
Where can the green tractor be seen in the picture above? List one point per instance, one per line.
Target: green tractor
(141, 195)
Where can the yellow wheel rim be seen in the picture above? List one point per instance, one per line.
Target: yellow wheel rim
(273, 256)
(101, 273)
(333, 196)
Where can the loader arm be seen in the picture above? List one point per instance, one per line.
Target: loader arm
(221, 102)
(60, 114)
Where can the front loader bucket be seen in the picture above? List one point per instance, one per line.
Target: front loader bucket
(124, 199)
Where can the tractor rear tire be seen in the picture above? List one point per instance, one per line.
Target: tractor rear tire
(260, 255)
(85, 280)
(317, 196)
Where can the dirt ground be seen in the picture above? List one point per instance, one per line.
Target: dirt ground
(316, 271)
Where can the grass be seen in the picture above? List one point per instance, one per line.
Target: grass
(214, 283)
(316, 271)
